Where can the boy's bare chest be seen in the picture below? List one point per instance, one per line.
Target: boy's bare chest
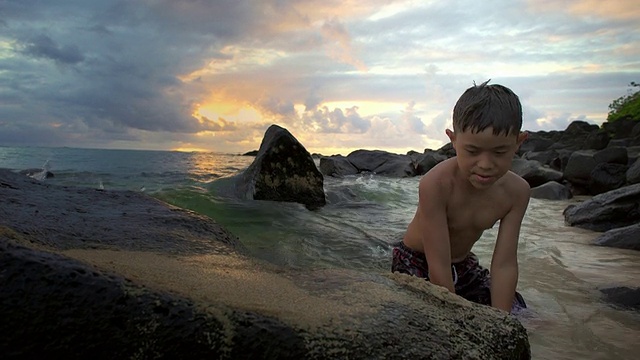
(475, 214)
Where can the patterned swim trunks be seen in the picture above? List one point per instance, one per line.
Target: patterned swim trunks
(471, 281)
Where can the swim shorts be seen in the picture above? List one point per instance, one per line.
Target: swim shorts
(471, 281)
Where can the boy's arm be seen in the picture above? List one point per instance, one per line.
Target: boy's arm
(504, 264)
(435, 231)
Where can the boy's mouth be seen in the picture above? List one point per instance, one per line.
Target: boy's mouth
(482, 178)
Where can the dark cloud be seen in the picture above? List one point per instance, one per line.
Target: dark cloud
(43, 46)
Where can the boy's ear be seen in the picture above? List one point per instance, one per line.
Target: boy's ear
(451, 135)
(522, 137)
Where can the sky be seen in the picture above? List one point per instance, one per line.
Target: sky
(196, 75)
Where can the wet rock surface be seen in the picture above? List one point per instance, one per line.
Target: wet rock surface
(164, 282)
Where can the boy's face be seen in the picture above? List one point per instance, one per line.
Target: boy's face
(484, 157)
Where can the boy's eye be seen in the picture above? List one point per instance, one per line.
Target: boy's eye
(500, 152)
(472, 152)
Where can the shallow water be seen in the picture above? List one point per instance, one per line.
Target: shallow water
(560, 272)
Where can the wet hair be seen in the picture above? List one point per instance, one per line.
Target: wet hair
(483, 106)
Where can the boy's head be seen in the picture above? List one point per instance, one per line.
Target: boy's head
(488, 106)
(486, 121)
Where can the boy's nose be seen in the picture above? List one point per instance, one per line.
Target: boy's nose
(485, 163)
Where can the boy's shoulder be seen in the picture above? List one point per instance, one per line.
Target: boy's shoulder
(441, 174)
(515, 184)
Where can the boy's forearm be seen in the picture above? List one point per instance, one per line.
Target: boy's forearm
(441, 275)
(503, 286)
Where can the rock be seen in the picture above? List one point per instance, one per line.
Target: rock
(283, 170)
(427, 161)
(612, 155)
(191, 294)
(336, 165)
(579, 167)
(251, 153)
(597, 140)
(621, 128)
(627, 237)
(620, 142)
(623, 297)
(108, 219)
(606, 177)
(633, 173)
(534, 172)
(610, 210)
(575, 137)
(382, 163)
(535, 142)
(37, 173)
(579, 127)
(551, 190)
(447, 150)
(543, 157)
(634, 154)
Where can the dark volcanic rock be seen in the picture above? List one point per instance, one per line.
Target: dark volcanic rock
(551, 190)
(251, 153)
(633, 173)
(282, 171)
(606, 177)
(337, 165)
(55, 307)
(613, 155)
(382, 163)
(610, 210)
(623, 297)
(579, 167)
(133, 219)
(627, 237)
(426, 161)
(191, 295)
(534, 172)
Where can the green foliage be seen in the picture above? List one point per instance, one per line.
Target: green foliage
(628, 105)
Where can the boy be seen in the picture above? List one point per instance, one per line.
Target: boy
(461, 197)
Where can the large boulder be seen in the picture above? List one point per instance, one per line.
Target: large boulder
(425, 162)
(534, 172)
(627, 237)
(546, 157)
(610, 210)
(551, 190)
(382, 163)
(579, 167)
(633, 173)
(535, 142)
(612, 155)
(336, 165)
(606, 177)
(283, 170)
(191, 294)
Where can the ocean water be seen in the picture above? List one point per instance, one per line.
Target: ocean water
(560, 271)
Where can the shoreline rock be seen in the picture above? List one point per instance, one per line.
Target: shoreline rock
(130, 276)
(283, 170)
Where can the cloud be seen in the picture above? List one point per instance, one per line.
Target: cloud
(43, 46)
(341, 74)
(338, 43)
(326, 121)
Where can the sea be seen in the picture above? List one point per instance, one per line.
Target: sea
(561, 272)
